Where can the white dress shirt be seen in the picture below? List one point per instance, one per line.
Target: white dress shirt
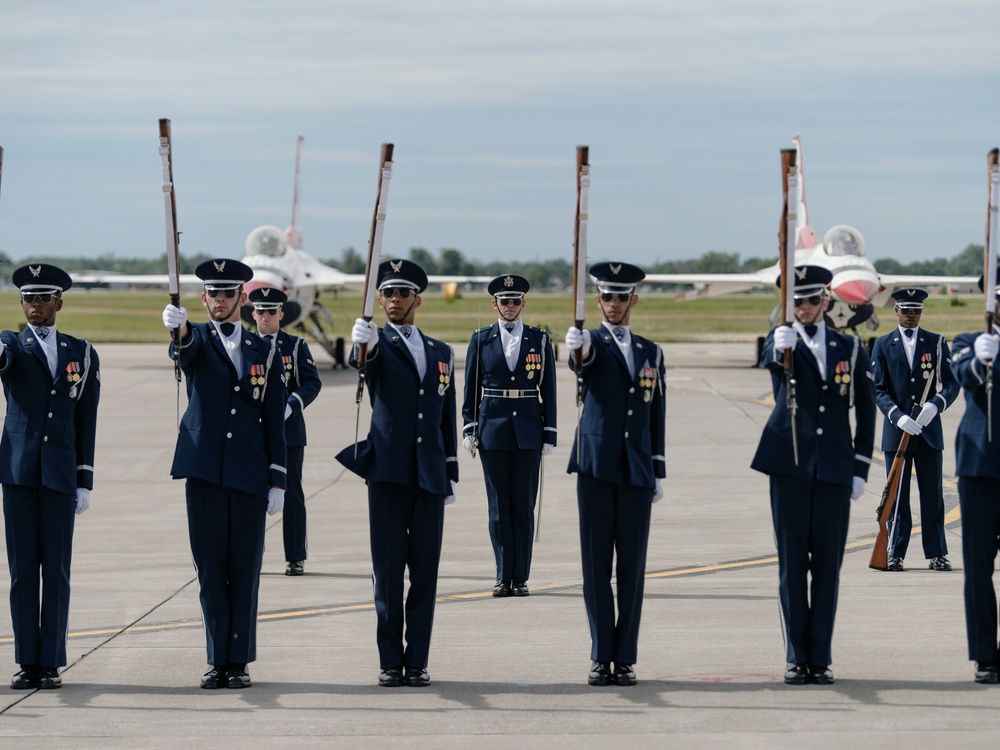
(415, 343)
(50, 345)
(511, 341)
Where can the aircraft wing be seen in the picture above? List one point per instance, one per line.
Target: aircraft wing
(891, 283)
(712, 284)
(84, 278)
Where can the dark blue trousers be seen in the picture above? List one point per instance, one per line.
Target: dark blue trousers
(511, 488)
(810, 529)
(406, 525)
(931, 488)
(614, 520)
(38, 525)
(293, 517)
(979, 499)
(226, 529)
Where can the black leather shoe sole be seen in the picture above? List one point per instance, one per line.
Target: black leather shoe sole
(987, 678)
(213, 680)
(390, 678)
(49, 679)
(24, 680)
(417, 678)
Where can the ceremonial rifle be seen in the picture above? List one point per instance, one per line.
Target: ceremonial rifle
(371, 270)
(786, 260)
(580, 270)
(888, 504)
(990, 272)
(173, 244)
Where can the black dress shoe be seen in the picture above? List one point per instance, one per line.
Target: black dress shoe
(501, 588)
(391, 677)
(25, 679)
(895, 565)
(237, 676)
(939, 563)
(214, 679)
(796, 674)
(295, 568)
(820, 675)
(986, 673)
(49, 679)
(520, 588)
(416, 677)
(600, 674)
(625, 674)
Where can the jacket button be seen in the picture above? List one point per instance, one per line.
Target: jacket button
(631, 390)
(630, 411)
(50, 415)
(513, 413)
(421, 391)
(420, 416)
(420, 440)
(822, 408)
(229, 434)
(237, 388)
(819, 430)
(512, 378)
(232, 411)
(52, 393)
(45, 439)
(626, 433)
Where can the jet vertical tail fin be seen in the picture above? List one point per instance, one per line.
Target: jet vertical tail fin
(293, 234)
(805, 236)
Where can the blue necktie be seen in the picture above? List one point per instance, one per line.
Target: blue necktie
(227, 329)
(42, 331)
(908, 332)
(810, 330)
(406, 330)
(619, 332)
(509, 326)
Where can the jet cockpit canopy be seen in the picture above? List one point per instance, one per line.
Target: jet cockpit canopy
(266, 240)
(844, 240)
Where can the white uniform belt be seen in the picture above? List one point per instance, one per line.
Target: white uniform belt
(510, 393)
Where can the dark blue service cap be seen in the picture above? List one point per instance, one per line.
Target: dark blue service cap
(911, 298)
(401, 273)
(42, 278)
(223, 273)
(509, 285)
(997, 285)
(267, 297)
(616, 277)
(809, 280)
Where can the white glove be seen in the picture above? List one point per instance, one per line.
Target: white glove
(547, 448)
(470, 444)
(785, 337)
(986, 347)
(577, 339)
(658, 492)
(857, 487)
(275, 500)
(451, 498)
(910, 426)
(927, 414)
(82, 499)
(174, 317)
(288, 411)
(364, 332)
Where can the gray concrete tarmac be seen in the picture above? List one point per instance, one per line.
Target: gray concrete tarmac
(508, 672)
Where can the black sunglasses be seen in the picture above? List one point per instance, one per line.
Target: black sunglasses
(213, 293)
(911, 311)
(622, 296)
(515, 301)
(267, 311)
(813, 300)
(43, 298)
(402, 291)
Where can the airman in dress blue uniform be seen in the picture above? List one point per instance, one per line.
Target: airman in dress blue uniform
(977, 459)
(52, 384)
(410, 464)
(510, 415)
(618, 456)
(231, 450)
(903, 361)
(303, 384)
(811, 498)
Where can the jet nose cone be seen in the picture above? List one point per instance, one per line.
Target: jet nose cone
(859, 290)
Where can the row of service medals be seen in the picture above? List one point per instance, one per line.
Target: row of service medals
(532, 362)
(73, 376)
(647, 381)
(444, 378)
(842, 376)
(258, 376)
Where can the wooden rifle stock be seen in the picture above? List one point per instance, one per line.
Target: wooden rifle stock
(786, 261)
(890, 493)
(172, 235)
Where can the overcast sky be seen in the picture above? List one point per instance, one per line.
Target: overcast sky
(685, 106)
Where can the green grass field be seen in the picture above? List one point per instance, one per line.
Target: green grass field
(123, 316)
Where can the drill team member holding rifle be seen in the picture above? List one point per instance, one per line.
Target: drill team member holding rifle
(510, 415)
(902, 362)
(231, 452)
(811, 497)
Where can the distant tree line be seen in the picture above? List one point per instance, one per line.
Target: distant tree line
(556, 273)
